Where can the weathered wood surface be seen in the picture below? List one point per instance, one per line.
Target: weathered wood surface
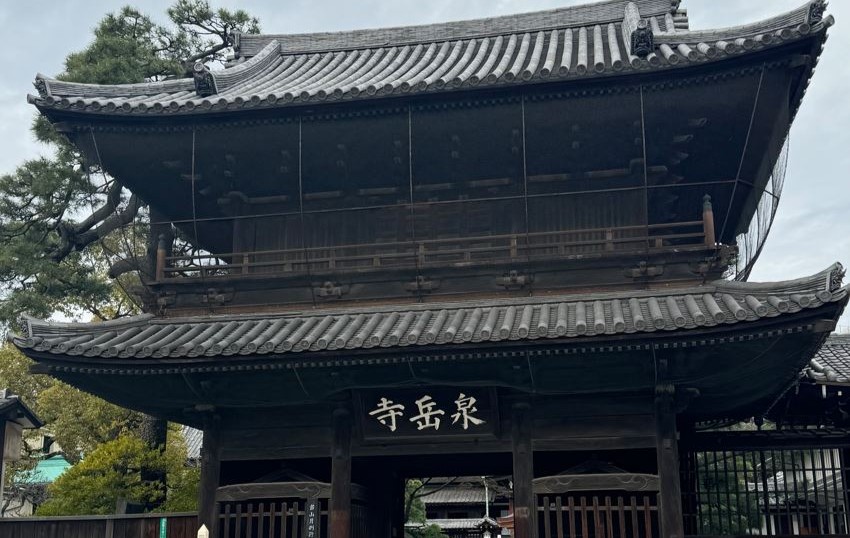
(183, 525)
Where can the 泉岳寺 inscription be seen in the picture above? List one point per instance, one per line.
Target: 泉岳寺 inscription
(428, 412)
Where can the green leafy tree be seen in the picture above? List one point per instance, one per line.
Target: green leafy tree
(76, 420)
(414, 508)
(65, 226)
(72, 239)
(113, 473)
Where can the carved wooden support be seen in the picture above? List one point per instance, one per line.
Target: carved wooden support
(282, 490)
(554, 485)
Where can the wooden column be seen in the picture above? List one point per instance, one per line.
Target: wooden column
(340, 503)
(667, 450)
(523, 456)
(210, 476)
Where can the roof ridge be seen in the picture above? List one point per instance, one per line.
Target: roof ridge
(595, 13)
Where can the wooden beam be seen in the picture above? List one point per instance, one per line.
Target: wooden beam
(210, 476)
(523, 471)
(667, 450)
(340, 503)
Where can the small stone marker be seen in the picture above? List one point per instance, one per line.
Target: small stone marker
(203, 532)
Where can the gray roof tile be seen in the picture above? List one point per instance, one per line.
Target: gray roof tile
(565, 44)
(398, 326)
(456, 495)
(831, 364)
(194, 439)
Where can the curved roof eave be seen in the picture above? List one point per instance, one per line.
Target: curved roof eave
(273, 79)
(600, 316)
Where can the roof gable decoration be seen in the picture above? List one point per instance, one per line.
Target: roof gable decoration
(816, 11)
(637, 32)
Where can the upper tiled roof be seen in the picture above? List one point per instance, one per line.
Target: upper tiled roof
(666, 13)
(558, 317)
(831, 365)
(599, 39)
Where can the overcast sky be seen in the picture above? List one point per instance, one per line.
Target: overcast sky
(812, 229)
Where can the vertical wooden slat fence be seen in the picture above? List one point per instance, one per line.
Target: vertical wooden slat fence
(184, 525)
(597, 506)
(280, 510)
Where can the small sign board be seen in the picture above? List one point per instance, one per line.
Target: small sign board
(163, 527)
(428, 412)
(312, 516)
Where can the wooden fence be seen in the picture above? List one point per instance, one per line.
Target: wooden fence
(597, 506)
(184, 525)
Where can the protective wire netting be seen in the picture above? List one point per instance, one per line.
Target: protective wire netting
(751, 243)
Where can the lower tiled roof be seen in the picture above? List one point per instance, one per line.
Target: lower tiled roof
(397, 326)
(457, 524)
(831, 365)
(455, 495)
(194, 439)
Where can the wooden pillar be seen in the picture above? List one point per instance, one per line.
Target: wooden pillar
(667, 450)
(340, 503)
(523, 459)
(210, 476)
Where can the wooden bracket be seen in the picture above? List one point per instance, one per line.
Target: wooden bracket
(422, 285)
(330, 290)
(217, 297)
(514, 280)
(644, 270)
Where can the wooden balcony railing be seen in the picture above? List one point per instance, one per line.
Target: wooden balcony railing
(457, 252)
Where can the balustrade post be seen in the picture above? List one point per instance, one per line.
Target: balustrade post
(161, 254)
(708, 222)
